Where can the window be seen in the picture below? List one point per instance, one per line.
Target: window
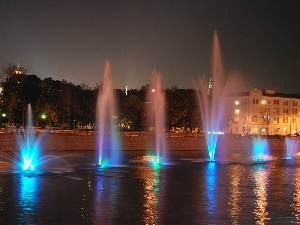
(244, 118)
(276, 110)
(255, 101)
(254, 119)
(266, 118)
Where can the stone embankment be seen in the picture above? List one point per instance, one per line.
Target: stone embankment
(76, 142)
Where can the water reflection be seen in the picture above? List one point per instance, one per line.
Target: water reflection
(151, 190)
(104, 198)
(211, 188)
(27, 200)
(2, 203)
(296, 195)
(235, 175)
(261, 176)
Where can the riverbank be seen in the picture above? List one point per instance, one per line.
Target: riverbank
(76, 142)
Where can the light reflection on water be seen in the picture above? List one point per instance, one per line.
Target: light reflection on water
(296, 195)
(28, 199)
(235, 208)
(183, 193)
(151, 190)
(211, 187)
(261, 175)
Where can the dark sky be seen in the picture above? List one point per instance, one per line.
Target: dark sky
(71, 39)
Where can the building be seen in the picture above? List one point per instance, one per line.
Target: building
(264, 113)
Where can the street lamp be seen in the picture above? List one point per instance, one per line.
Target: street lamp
(264, 102)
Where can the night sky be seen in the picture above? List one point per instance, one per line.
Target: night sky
(71, 39)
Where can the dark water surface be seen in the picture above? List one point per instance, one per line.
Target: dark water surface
(189, 191)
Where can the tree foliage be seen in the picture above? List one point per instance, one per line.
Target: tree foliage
(67, 105)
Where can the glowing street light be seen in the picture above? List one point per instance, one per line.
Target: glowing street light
(264, 102)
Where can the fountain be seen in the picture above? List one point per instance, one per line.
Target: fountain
(156, 116)
(261, 150)
(29, 144)
(213, 99)
(109, 153)
(292, 147)
(29, 157)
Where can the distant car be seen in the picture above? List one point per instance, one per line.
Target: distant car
(293, 135)
(275, 136)
(246, 136)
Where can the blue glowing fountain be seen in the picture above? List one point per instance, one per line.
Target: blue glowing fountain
(261, 150)
(109, 153)
(29, 157)
(29, 144)
(156, 116)
(213, 99)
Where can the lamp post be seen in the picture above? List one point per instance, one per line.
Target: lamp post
(237, 111)
(267, 116)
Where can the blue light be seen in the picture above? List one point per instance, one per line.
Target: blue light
(260, 150)
(29, 144)
(211, 187)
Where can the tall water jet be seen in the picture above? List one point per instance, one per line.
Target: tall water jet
(213, 99)
(156, 115)
(109, 153)
(29, 144)
(292, 146)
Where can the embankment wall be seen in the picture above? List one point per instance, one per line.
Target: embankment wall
(65, 142)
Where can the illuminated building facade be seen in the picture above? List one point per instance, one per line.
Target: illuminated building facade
(264, 113)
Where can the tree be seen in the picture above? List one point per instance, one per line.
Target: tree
(132, 110)
(10, 70)
(87, 106)
(12, 98)
(47, 101)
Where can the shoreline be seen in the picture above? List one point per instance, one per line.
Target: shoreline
(71, 141)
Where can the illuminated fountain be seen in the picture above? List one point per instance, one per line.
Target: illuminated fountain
(213, 99)
(156, 116)
(29, 144)
(292, 147)
(261, 150)
(29, 157)
(109, 153)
